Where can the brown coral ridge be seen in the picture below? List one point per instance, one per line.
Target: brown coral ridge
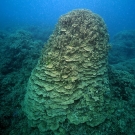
(70, 80)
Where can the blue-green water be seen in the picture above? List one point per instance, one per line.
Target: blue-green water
(25, 26)
(119, 15)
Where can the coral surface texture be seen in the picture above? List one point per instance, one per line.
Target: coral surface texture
(70, 82)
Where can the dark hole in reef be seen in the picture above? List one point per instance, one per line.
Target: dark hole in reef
(121, 93)
(76, 101)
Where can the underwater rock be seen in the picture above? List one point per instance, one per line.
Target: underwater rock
(71, 77)
(15, 69)
(122, 82)
(16, 48)
(123, 47)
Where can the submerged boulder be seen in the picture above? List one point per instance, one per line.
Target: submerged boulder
(70, 82)
(123, 47)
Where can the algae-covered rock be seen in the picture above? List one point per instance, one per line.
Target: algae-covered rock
(70, 81)
(123, 47)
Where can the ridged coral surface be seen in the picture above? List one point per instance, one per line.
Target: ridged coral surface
(70, 81)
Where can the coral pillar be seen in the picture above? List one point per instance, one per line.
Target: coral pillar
(70, 80)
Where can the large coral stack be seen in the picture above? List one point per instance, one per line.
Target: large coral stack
(70, 81)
